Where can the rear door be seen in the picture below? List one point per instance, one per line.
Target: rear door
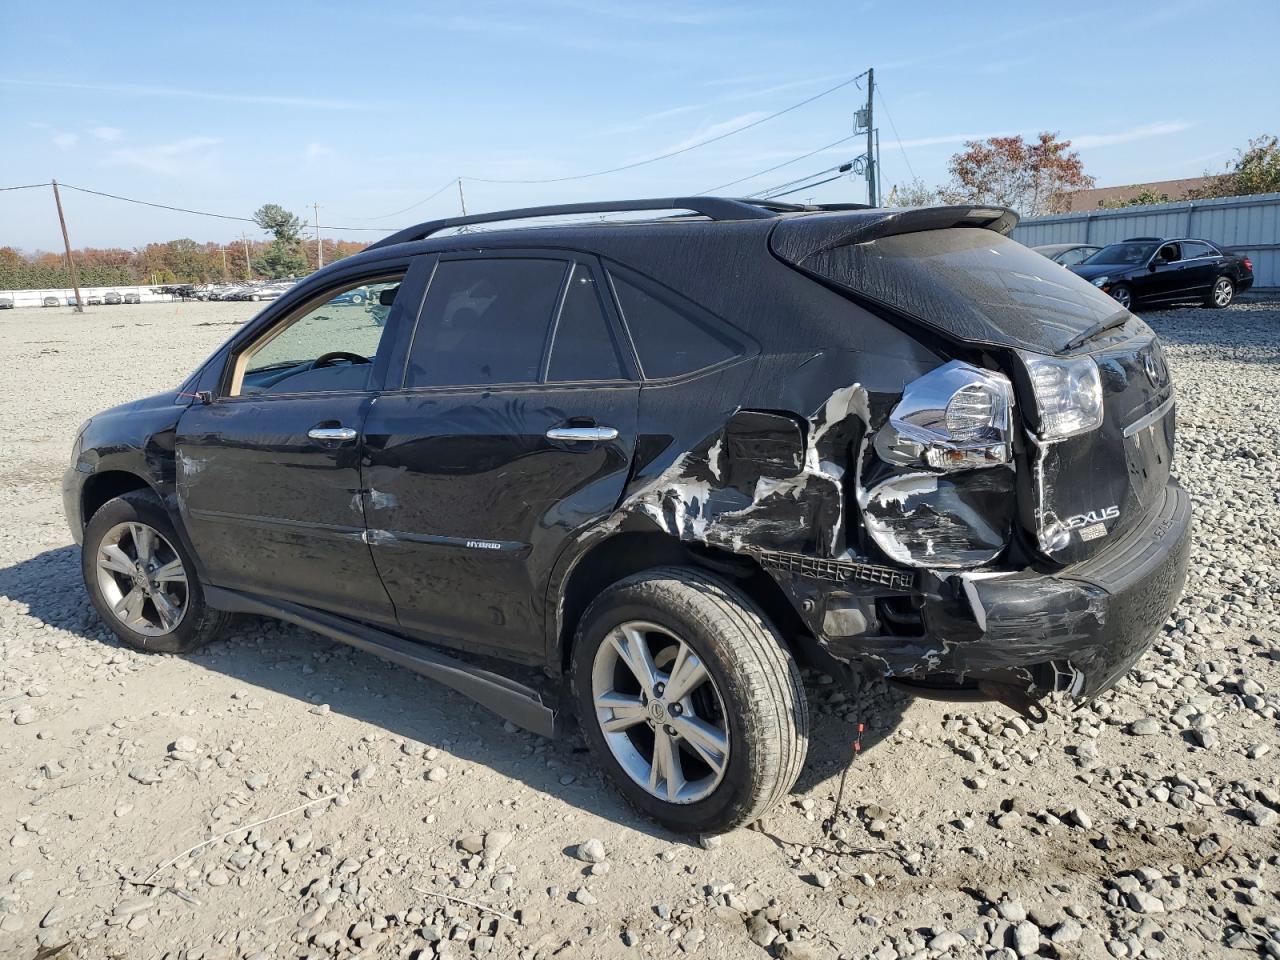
(513, 428)
(1200, 264)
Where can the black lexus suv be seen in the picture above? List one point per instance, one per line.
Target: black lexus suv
(633, 471)
(1150, 271)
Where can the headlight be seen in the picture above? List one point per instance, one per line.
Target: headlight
(1101, 281)
(954, 418)
(1068, 394)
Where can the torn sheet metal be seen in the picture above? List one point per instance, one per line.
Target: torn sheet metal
(765, 481)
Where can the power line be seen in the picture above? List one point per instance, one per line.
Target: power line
(397, 213)
(807, 186)
(27, 186)
(894, 127)
(786, 163)
(161, 206)
(675, 153)
(768, 192)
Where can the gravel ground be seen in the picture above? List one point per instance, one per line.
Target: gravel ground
(1144, 824)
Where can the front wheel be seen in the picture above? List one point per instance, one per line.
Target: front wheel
(1122, 295)
(687, 696)
(1222, 293)
(141, 579)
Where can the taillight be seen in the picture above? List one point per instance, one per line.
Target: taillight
(933, 499)
(1248, 264)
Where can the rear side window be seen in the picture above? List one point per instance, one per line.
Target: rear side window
(485, 322)
(1194, 250)
(583, 347)
(669, 341)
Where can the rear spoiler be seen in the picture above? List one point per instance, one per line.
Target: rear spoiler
(795, 239)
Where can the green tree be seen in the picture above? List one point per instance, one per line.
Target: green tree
(1144, 197)
(278, 222)
(281, 259)
(1256, 169)
(913, 194)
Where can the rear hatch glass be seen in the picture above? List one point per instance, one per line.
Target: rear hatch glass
(970, 284)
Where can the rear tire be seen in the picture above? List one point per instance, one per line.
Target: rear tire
(1221, 294)
(141, 579)
(733, 735)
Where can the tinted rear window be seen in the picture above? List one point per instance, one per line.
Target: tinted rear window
(669, 340)
(972, 284)
(584, 347)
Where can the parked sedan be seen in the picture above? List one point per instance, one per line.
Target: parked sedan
(112, 298)
(1067, 254)
(133, 297)
(6, 303)
(52, 301)
(1150, 270)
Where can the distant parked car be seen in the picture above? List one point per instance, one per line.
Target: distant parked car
(52, 301)
(112, 298)
(132, 297)
(1067, 254)
(1152, 270)
(6, 303)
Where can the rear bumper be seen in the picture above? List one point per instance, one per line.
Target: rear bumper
(1077, 630)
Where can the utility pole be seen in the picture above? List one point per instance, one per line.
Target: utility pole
(319, 242)
(225, 274)
(248, 270)
(462, 197)
(66, 241)
(872, 192)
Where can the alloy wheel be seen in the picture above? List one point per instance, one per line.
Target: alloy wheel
(1222, 292)
(142, 579)
(660, 712)
(1123, 297)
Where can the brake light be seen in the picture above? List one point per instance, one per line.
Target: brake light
(1248, 264)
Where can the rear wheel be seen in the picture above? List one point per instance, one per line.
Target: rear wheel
(1122, 295)
(141, 579)
(1222, 293)
(688, 698)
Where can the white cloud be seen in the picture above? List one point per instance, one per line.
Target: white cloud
(65, 141)
(107, 133)
(169, 159)
(136, 90)
(315, 151)
(1141, 132)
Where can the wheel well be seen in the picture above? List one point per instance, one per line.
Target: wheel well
(101, 487)
(629, 553)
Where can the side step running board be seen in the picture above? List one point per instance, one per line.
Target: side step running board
(510, 700)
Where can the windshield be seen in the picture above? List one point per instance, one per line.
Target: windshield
(1129, 254)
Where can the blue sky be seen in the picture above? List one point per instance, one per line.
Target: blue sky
(370, 107)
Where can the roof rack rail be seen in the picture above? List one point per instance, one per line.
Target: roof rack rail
(716, 208)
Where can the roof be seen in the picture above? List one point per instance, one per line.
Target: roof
(1095, 197)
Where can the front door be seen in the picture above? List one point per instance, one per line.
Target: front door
(1163, 277)
(514, 429)
(268, 472)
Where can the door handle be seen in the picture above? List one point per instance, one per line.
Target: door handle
(588, 434)
(332, 434)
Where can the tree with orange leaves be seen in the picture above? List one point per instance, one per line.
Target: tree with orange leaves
(1030, 177)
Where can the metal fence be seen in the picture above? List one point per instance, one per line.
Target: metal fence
(1247, 225)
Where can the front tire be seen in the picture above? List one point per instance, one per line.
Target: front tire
(690, 701)
(1122, 295)
(1222, 293)
(141, 579)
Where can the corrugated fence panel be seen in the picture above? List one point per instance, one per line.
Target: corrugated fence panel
(1248, 225)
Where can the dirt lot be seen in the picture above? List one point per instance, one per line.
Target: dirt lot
(1144, 824)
